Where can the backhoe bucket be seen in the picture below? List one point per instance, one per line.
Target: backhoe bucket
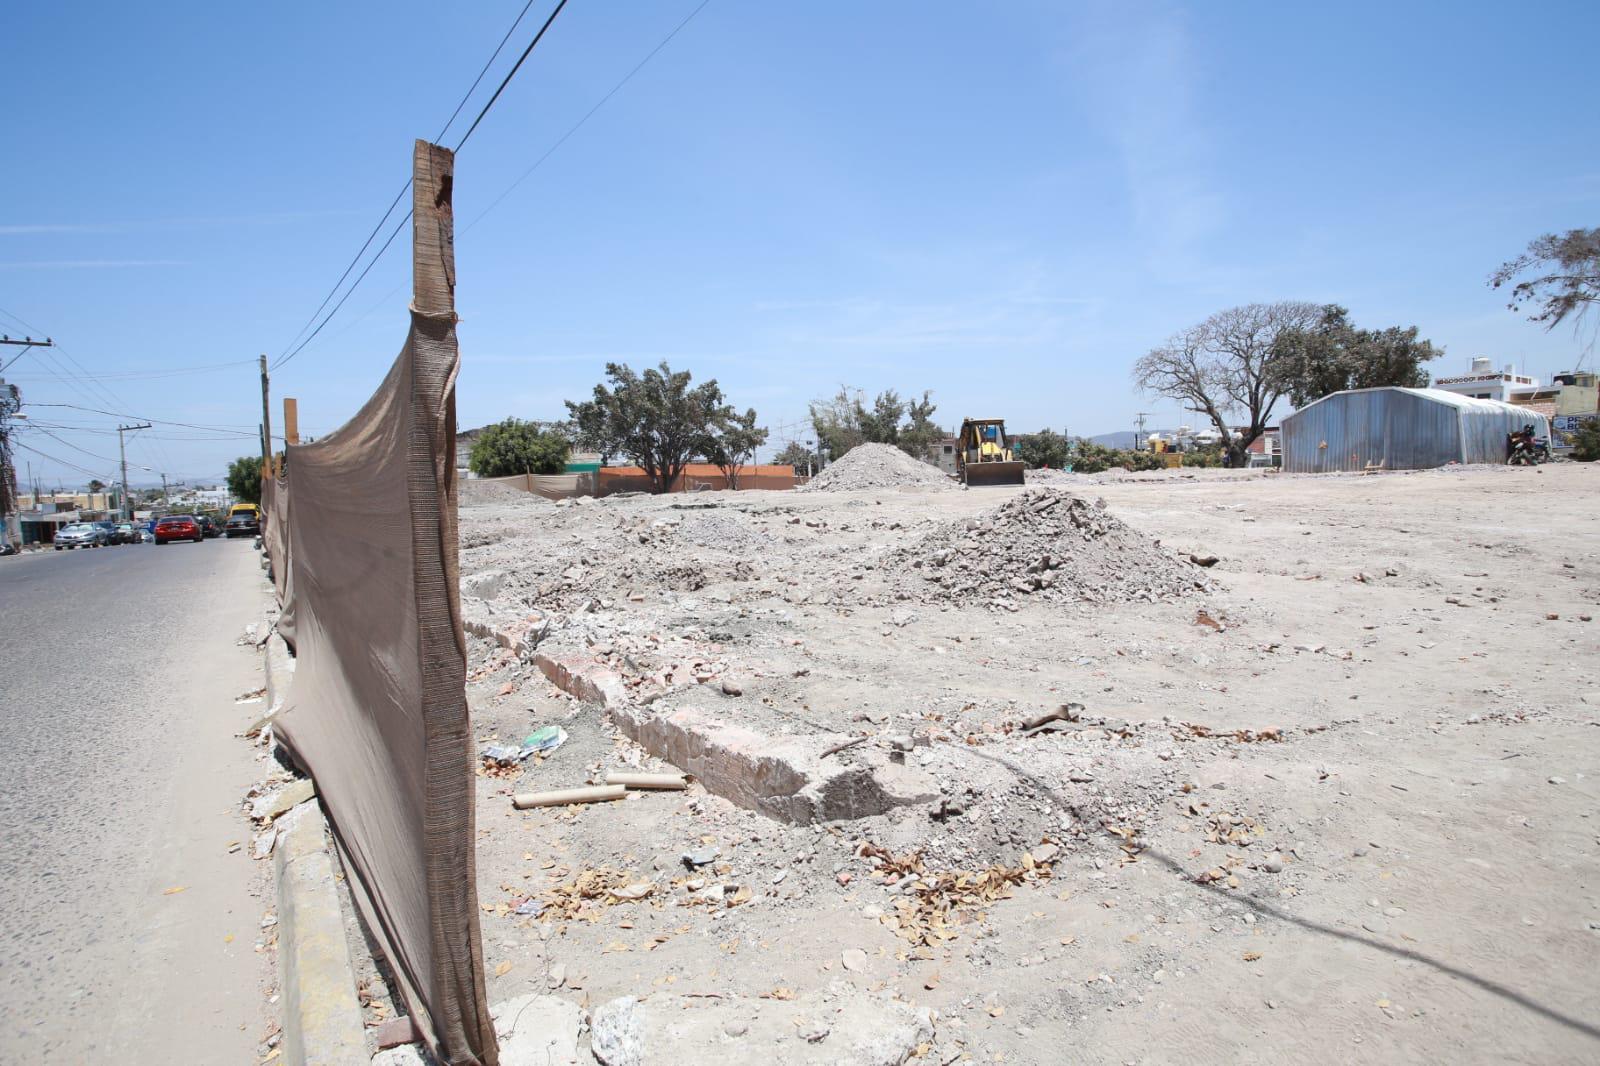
(998, 473)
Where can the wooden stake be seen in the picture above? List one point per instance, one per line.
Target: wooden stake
(562, 797)
(630, 780)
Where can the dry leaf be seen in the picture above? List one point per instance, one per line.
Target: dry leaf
(1251, 956)
(503, 969)
(175, 890)
(996, 1011)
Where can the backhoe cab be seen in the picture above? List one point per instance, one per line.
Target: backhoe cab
(984, 456)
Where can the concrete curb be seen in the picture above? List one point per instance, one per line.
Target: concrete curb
(322, 1021)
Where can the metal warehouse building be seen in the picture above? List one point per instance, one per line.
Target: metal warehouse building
(1400, 429)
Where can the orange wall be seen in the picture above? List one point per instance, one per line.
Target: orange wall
(697, 475)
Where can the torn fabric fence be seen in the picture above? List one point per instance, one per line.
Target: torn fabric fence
(377, 712)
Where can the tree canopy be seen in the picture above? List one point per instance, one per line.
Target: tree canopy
(734, 443)
(1044, 448)
(1332, 355)
(844, 420)
(1223, 367)
(518, 447)
(1565, 281)
(661, 422)
(244, 479)
(797, 455)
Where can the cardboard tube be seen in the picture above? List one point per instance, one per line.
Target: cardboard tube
(631, 780)
(561, 797)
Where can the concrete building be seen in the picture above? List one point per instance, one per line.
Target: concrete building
(1400, 429)
(942, 454)
(1483, 382)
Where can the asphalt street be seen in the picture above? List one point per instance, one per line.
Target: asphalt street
(127, 927)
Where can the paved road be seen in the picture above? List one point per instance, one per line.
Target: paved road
(120, 778)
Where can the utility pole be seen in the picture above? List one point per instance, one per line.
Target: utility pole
(291, 427)
(122, 450)
(1138, 435)
(166, 497)
(25, 343)
(266, 422)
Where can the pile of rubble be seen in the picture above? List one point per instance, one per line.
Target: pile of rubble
(1046, 544)
(877, 466)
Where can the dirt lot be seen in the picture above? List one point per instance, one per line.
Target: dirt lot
(1331, 798)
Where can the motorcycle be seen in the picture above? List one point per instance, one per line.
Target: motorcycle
(1524, 449)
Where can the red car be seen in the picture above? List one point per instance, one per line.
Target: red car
(179, 527)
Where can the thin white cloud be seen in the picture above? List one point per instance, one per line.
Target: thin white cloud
(90, 264)
(1134, 69)
(124, 225)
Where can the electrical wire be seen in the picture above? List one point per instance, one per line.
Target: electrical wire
(291, 350)
(146, 418)
(576, 126)
(526, 52)
(53, 459)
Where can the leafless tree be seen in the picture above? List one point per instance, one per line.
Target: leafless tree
(1222, 368)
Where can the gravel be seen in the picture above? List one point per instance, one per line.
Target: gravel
(877, 466)
(1049, 544)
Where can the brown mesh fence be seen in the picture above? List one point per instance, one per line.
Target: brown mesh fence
(363, 535)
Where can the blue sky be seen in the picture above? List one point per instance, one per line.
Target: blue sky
(1006, 204)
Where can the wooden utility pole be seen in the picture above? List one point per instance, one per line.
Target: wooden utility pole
(266, 422)
(122, 449)
(291, 427)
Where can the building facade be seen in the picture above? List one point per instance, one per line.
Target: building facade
(1483, 382)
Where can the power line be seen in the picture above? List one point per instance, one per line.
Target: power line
(576, 126)
(146, 418)
(53, 459)
(290, 350)
(526, 52)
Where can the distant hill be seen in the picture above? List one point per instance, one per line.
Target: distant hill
(1124, 440)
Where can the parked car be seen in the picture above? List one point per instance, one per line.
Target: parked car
(243, 524)
(80, 535)
(209, 526)
(111, 532)
(127, 533)
(179, 527)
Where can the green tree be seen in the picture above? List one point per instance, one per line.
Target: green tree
(734, 441)
(1333, 355)
(244, 479)
(921, 432)
(797, 455)
(844, 421)
(1566, 276)
(518, 447)
(655, 419)
(1585, 440)
(1223, 367)
(1044, 448)
(96, 485)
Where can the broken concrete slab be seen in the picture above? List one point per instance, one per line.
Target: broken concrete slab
(274, 805)
(512, 626)
(404, 1055)
(837, 1026)
(784, 778)
(537, 1030)
(583, 677)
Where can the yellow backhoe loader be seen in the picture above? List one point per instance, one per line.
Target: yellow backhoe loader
(984, 456)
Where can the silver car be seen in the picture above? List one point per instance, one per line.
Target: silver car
(81, 535)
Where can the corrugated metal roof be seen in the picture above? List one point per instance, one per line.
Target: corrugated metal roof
(1444, 396)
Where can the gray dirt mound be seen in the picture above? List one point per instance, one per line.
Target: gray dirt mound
(1044, 544)
(475, 490)
(877, 466)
